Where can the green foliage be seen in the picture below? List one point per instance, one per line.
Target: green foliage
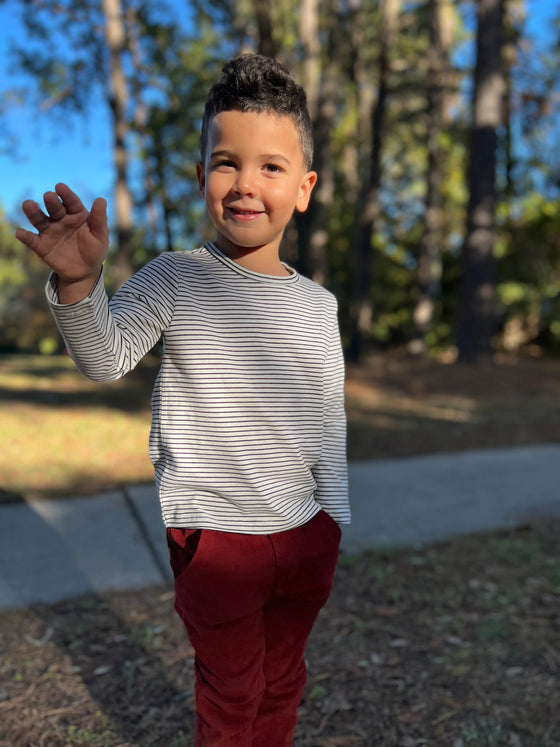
(63, 52)
(529, 273)
(169, 66)
(25, 323)
(170, 143)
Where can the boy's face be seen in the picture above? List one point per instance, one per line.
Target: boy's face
(253, 179)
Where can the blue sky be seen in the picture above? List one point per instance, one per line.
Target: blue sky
(79, 151)
(44, 150)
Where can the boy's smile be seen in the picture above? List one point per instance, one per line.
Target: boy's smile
(253, 179)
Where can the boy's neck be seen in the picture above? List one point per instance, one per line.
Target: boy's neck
(263, 260)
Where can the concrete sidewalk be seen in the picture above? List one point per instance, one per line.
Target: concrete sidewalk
(55, 549)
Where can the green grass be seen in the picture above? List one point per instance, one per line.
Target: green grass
(62, 434)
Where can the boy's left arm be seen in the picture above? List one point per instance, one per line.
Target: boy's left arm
(331, 471)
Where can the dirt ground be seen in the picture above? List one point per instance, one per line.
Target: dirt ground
(455, 644)
(401, 407)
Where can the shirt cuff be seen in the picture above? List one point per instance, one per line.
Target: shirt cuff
(51, 290)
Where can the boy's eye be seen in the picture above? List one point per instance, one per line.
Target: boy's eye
(273, 168)
(224, 164)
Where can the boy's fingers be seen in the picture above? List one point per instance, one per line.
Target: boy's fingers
(30, 239)
(35, 215)
(55, 207)
(70, 199)
(60, 203)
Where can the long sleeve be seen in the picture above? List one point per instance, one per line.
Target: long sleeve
(107, 339)
(331, 472)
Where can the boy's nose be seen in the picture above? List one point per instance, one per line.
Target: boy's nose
(246, 183)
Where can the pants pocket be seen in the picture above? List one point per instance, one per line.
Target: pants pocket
(330, 522)
(182, 544)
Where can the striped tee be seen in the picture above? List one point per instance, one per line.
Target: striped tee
(248, 425)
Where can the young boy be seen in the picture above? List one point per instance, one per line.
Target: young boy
(248, 431)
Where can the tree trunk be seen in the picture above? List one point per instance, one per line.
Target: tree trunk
(265, 41)
(477, 294)
(115, 35)
(361, 305)
(321, 89)
(510, 58)
(311, 45)
(159, 154)
(429, 255)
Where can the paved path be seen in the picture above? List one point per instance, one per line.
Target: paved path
(54, 549)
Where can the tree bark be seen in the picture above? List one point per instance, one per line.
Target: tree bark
(477, 294)
(311, 45)
(361, 307)
(265, 41)
(321, 89)
(115, 35)
(429, 254)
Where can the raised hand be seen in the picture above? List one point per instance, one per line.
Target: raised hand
(70, 240)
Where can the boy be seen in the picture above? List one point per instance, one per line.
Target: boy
(248, 430)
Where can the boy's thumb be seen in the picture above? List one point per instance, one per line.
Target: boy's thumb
(98, 219)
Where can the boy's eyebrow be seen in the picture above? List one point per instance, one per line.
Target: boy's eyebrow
(221, 154)
(224, 153)
(275, 157)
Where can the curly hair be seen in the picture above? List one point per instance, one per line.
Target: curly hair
(254, 83)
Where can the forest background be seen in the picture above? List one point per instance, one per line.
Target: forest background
(435, 223)
(435, 220)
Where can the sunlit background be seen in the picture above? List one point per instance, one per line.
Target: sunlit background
(448, 283)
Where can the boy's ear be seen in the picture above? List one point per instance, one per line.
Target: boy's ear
(306, 187)
(201, 176)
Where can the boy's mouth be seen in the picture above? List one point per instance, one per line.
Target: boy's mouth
(244, 213)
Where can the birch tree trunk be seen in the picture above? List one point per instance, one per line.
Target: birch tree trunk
(115, 35)
(477, 294)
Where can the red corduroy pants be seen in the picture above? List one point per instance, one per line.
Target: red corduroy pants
(248, 603)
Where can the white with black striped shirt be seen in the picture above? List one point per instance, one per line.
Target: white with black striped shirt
(248, 431)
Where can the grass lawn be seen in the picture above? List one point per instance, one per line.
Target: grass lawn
(61, 434)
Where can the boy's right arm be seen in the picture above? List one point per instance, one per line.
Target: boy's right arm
(70, 240)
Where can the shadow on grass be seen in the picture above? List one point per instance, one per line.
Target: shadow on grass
(60, 384)
(127, 399)
(140, 699)
(103, 654)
